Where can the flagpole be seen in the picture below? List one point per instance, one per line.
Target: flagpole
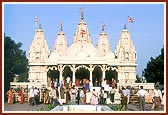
(128, 23)
(36, 23)
(129, 26)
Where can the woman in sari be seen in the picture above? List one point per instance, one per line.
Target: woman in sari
(21, 96)
(94, 100)
(10, 96)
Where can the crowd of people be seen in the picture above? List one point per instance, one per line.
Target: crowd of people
(77, 95)
(73, 94)
(11, 96)
(157, 98)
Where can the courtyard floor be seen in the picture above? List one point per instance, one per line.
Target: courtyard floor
(26, 107)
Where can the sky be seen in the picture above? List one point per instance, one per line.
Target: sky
(147, 30)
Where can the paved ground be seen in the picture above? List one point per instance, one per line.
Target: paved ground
(26, 107)
(22, 107)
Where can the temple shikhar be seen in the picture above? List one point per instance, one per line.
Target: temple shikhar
(82, 60)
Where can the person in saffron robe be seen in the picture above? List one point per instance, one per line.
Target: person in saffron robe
(21, 96)
(10, 96)
(94, 100)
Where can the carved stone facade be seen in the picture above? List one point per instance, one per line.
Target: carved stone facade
(82, 54)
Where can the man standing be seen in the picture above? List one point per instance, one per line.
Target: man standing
(54, 96)
(128, 92)
(73, 93)
(113, 91)
(141, 94)
(124, 98)
(36, 95)
(157, 96)
(32, 100)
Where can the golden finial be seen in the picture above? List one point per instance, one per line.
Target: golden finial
(103, 26)
(125, 26)
(40, 26)
(61, 25)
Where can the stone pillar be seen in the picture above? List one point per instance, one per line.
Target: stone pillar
(91, 70)
(60, 71)
(73, 76)
(104, 75)
(91, 77)
(119, 77)
(104, 70)
(60, 77)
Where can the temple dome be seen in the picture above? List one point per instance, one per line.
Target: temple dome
(82, 50)
(54, 56)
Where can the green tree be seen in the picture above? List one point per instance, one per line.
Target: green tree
(138, 79)
(15, 62)
(154, 71)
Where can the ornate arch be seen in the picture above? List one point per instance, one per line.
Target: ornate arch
(52, 68)
(82, 66)
(98, 66)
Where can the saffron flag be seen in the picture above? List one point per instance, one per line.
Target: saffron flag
(130, 19)
(61, 24)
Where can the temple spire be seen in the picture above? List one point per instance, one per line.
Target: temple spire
(81, 13)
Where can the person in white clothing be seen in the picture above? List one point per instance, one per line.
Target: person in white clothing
(68, 79)
(54, 96)
(157, 97)
(128, 94)
(103, 83)
(32, 100)
(106, 89)
(142, 94)
(73, 94)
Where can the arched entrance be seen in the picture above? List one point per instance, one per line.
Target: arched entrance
(82, 75)
(97, 76)
(53, 77)
(111, 74)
